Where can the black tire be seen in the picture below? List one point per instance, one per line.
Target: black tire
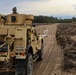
(29, 65)
(25, 66)
(40, 54)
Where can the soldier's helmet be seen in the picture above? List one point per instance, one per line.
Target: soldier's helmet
(14, 10)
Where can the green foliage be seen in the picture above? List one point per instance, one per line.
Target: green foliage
(47, 19)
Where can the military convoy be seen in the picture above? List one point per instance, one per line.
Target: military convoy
(20, 44)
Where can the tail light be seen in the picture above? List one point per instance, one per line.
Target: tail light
(23, 54)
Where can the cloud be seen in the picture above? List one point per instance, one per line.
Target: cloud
(42, 7)
(47, 7)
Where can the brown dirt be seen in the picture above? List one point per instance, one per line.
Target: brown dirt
(65, 38)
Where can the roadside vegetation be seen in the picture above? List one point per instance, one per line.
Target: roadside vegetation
(47, 19)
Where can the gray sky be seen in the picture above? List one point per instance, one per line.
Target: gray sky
(57, 8)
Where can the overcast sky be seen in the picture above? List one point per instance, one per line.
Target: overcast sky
(57, 8)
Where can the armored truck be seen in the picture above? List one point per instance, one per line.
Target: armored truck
(20, 44)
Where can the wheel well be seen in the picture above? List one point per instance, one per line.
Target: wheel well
(30, 50)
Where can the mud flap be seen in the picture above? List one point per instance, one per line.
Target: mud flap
(20, 67)
(40, 54)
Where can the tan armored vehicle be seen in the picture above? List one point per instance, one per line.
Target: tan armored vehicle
(20, 45)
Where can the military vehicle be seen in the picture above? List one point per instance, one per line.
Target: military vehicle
(20, 44)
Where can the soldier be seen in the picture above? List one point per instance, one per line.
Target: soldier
(14, 10)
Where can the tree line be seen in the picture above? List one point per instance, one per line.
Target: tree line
(47, 19)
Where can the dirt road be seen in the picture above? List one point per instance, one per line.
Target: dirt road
(47, 66)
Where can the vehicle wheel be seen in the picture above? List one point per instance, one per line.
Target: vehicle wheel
(25, 66)
(29, 65)
(40, 54)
